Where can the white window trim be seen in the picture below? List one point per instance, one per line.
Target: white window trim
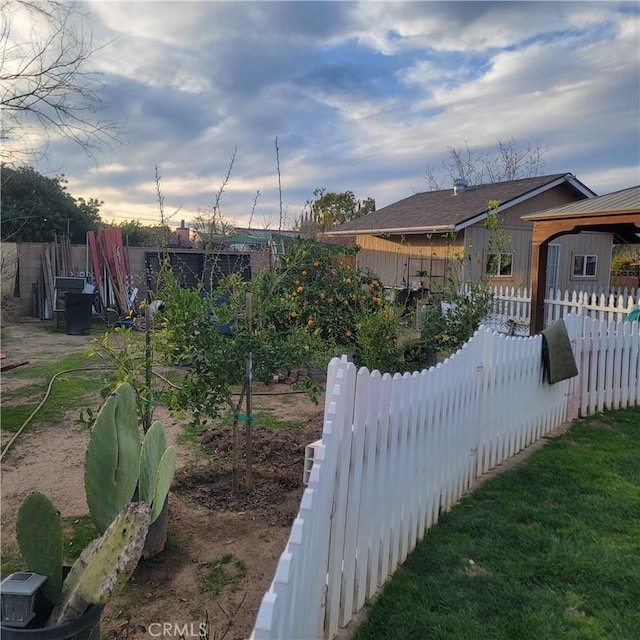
(498, 274)
(551, 287)
(583, 276)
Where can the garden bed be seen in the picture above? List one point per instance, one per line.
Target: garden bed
(222, 549)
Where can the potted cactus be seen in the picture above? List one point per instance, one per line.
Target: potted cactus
(70, 601)
(119, 468)
(127, 484)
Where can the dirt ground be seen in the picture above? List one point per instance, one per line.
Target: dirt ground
(222, 549)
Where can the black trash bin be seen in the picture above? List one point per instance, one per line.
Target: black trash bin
(78, 308)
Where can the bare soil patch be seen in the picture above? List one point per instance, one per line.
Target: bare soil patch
(222, 548)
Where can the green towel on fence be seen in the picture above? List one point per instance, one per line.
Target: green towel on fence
(557, 355)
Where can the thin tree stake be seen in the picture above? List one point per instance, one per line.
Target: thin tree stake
(249, 386)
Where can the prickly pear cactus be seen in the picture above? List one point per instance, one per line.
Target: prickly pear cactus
(162, 482)
(153, 446)
(157, 467)
(106, 564)
(39, 534)
(112, 458)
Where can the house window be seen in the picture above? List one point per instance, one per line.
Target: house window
(584, 266)
(553, 269)
(499, 264)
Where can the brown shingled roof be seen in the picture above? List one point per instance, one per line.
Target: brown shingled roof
(440, 211)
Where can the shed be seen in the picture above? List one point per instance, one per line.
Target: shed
(416, 243)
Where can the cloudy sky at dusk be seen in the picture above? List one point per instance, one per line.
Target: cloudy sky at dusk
(361, 96)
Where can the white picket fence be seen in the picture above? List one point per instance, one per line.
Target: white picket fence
(398, 450)
(510, 304)
(608, 357)
(612, 306)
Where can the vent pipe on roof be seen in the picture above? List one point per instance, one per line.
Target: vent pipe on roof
(459, 185)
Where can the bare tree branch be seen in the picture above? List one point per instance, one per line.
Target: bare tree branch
(510, 160)
(45, 90)
(211, 223)
(225, 182)
(253, 208)
(163, 228)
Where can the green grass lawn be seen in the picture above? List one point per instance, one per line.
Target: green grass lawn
(68, 391)
(548, 550)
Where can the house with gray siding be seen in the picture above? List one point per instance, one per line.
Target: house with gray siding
(478, 229)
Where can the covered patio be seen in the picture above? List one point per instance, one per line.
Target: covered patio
(617, 213)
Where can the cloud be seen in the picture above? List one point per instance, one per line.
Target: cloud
(361, 96)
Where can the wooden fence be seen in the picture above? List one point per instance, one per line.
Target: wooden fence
(511, 305)
(397, 451)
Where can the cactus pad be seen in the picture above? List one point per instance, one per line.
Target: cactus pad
(39, 534)
(153, 447)
(112, 458)
(162, 482)
(157, 467)
(106, 564)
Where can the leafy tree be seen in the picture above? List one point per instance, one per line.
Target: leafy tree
(215, 336)
(138, 235)
(316, 288)
(509, 161)
(312, 305)
(626, 257)
(45, 88)
(366, 206)
(330, 209)
(36, 208)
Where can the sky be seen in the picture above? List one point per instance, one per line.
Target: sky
(361, 96)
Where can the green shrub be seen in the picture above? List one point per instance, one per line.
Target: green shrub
(317, 289)
(376, 342)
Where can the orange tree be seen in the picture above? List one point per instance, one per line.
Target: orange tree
(315, 287)
(312, 305)
(214, 336)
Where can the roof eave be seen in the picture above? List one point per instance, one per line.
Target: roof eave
(394, 231)
(478, 217)
(569, 177)
(532, 217)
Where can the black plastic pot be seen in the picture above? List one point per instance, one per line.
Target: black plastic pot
(157, 535)
(86, 627)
